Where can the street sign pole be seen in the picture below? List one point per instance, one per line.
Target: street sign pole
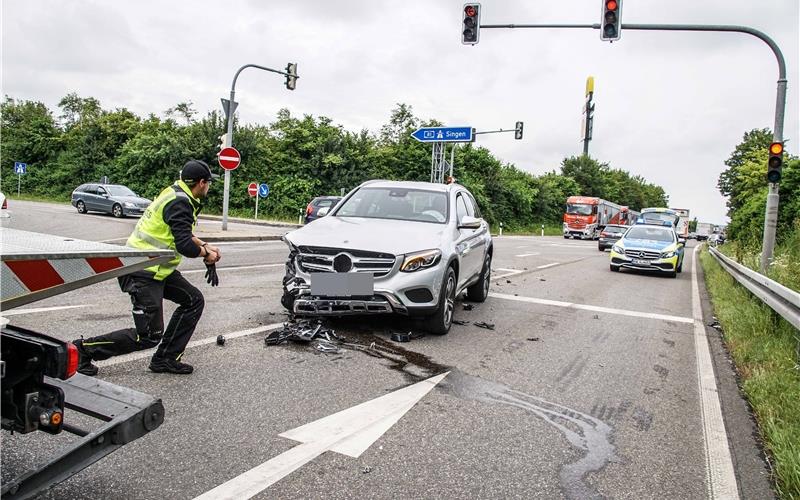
(257, 197)
(19, 182)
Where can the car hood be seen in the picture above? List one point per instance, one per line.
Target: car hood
(646, 244)
(133, 199)
(377, 235)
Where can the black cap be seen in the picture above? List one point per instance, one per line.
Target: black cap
(197, 169)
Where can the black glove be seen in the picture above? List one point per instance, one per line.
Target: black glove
(211, 274)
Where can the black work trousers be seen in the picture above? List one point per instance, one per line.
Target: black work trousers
(147, 296)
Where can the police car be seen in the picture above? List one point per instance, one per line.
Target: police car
(649, 247)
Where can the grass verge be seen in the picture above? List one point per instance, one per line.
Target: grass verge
(762, 345)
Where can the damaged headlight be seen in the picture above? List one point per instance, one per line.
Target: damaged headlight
(420, 260)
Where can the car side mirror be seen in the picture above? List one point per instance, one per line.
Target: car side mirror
(682, 241)
(469, 222)
(323, 211)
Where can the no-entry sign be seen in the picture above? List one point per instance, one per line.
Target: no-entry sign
(229, 158)
(252, 189)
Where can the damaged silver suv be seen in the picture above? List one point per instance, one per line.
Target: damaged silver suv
(391, 247)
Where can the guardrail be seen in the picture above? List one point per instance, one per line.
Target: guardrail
(782, 300)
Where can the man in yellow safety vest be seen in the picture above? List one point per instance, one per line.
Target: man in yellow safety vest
(168, 223)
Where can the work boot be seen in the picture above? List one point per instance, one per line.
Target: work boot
(169, 365)
(85, 366)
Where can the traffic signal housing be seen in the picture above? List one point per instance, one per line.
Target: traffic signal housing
(518, 131)
(223, 143)
(471, 24)
(775, 162)
(291, 77)
(611, 21)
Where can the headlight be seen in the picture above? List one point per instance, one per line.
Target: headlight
(415, 261)
(130, 205)
(668, 255)
(618, 249)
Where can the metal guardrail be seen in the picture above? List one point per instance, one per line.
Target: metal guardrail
(782, 300)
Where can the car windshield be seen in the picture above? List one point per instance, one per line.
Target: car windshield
(659, 218)
(649, 233)
(579, 209)
(615, 229)
(119, 191)
(396, 203)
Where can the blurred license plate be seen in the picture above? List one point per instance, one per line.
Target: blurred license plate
(641, 262)
(342, 284)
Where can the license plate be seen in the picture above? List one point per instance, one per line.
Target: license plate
(641, 262)
(342, 284)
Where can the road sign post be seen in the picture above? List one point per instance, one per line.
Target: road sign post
(19, 169)
(252, 190)
(438, 137)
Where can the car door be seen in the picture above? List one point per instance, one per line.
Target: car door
(469, 244)
(90, 198)
(103, 199)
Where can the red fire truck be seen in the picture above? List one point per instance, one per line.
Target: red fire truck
(586, 216)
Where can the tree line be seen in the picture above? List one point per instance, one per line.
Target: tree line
(299, 157)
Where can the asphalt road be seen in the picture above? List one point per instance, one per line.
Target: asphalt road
(586, 388)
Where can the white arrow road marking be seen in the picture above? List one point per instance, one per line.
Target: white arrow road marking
(349, 432)
(585, 307)
(40, 310)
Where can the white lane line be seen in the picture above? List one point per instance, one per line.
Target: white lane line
(512, 272)
(40, 310)
(548, 265)
(349, 432)
(527, 254)
(117, 360)
(719, 465)
(506, 269)
(232, 268)
(585, 307)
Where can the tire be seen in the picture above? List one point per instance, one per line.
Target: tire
(566, 236)
(81, 206)
(680, 267)
(439, 322)
(613, 268)
(116, 211)
(601, 248)
(480, 290)
(673, 274)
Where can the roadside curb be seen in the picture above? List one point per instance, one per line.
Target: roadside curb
(239, 220)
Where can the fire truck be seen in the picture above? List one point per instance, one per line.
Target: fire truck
(39, 378)
(586, 216)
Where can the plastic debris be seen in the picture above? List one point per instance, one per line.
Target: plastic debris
(508, 281)
(596, 317)
(468, 307)
(482, 324)
(220, 340)
(401, 337)
(534, 339)
(301, 331)
(459, 322)
(366, 470)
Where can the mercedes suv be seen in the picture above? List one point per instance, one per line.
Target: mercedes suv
(391, 247)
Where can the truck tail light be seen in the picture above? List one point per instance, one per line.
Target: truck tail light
(72, 360)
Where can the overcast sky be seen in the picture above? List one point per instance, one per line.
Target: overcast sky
(670, 106)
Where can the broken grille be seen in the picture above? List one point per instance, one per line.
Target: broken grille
(329, 260)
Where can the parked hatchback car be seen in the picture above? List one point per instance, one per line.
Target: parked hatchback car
(649, 248)
(320, 206)
(609, 235)
(114, 199)
(391, 247)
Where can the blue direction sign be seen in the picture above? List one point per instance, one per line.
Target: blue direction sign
(263, 190)
(443, 134)
(19, 167)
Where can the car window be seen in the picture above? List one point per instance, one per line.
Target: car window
(101, 190)
(119, 191)
(473, 205)
(90, 188)
(614, 229)
(461, 208)
(650, 233)
(396, 203)
(324, 203)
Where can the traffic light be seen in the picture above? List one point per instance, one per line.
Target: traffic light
(471, 24)
(291, 77)
(518, 131)
(223, 143)
(611, 22)
(775, 162)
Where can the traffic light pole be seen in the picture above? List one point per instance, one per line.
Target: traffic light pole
(771, 213)
(229, 112)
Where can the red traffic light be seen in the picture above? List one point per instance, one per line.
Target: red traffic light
(471, 10)
(611, 5)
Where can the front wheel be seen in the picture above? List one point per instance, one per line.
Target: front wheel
(116, 210)
(439, 322)
(81, 206)
(601, 248)
(480, 290)
(613, 268)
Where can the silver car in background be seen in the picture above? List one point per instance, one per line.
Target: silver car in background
(391, 247)
(113, 199)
